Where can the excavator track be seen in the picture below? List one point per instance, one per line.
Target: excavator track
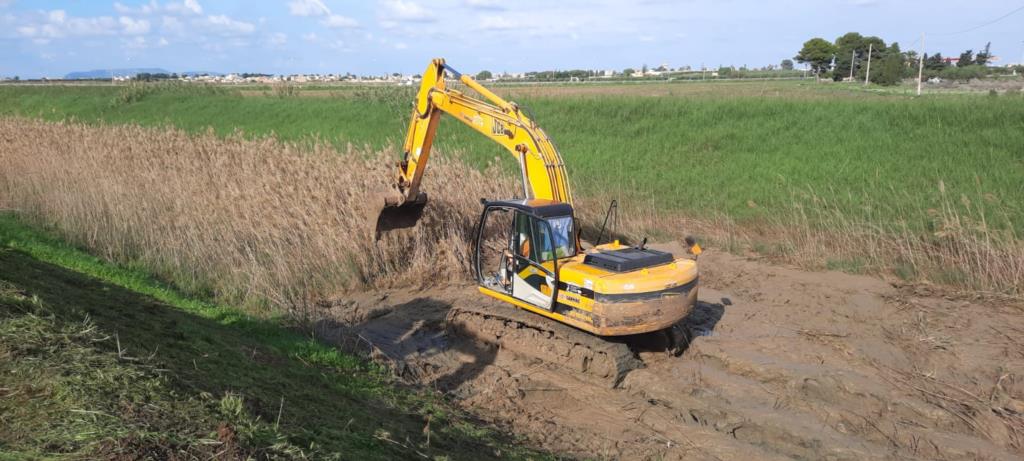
(590, 357)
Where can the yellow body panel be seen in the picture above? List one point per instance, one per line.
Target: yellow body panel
(501, 121)
(612, 303)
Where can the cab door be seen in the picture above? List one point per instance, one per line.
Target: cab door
(514, 266)
(533, 281)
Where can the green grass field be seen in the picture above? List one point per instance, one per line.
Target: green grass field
(101, 362)
(745, 150)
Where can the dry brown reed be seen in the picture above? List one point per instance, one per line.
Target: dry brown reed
(261, 221)
(251, 221)
(956, 246)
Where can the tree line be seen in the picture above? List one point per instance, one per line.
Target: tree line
(847, 58)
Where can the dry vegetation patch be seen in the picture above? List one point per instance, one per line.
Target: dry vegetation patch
(245, 220)
(261, 221)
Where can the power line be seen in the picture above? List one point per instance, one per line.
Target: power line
(989, 23)
(972, 29)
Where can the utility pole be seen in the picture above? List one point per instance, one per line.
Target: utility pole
(920, 66)
(703, 72)
(853, 60)
(867, 77)
(1021, 63)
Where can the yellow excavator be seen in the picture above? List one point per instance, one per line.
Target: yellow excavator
(539, 264)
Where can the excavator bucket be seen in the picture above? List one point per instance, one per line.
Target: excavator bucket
(399, 213)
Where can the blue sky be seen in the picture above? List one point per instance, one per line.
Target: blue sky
(51, 38)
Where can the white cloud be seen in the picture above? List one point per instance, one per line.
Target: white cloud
(401, 46)
(135, 43)
(341, 46)
(308, 8)
(57, 24)
(310, 37)
(102, 25)
(133, 26)
(194, 6)
(172, 25)
(228, 26)
(6, 3)
(149, 8)
(188, 7)
(339, 21)
(492, 22)
(277, 39)
(57, 16)
(162, 42)
(484, 4)
(407, 11)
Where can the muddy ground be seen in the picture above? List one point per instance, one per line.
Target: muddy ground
(784, 364)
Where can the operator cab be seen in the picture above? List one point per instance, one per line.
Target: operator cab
(519, 245)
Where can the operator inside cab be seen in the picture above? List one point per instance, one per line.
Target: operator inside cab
(523, 231)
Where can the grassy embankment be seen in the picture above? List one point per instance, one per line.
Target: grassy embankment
(810, 174)
(99, 361)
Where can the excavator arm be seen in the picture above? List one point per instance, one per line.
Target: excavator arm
(543, 172)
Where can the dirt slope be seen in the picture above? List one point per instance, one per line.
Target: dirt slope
(785, 364)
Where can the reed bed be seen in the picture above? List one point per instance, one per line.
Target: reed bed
(955, 245)
(259, 222)
(285, 225)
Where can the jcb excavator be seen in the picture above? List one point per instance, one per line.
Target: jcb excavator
(541, 268)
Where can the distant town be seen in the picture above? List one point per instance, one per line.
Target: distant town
(785, 69)
(664, 71)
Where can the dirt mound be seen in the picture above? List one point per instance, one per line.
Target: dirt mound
(784, 364)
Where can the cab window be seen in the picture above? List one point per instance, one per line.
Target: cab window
(522, 243)
(557, 235)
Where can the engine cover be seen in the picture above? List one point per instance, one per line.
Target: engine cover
(627, 259)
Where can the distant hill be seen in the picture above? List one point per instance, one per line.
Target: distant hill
(130, 72)
(110, 73)
(200, 72)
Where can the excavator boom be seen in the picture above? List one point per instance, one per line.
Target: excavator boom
(503, 122)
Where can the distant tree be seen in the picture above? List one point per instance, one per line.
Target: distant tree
(852, 53)
(818, 53)
(661, 68)
(787, 64)
(890, 69)
(17, 78)
(848, 54)
(966, 59)
(643, 70)
(629, 71)
(983, 57)
(396, 74)
(910, 58)
(484, 75)
(935, 62)
(417, 76)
